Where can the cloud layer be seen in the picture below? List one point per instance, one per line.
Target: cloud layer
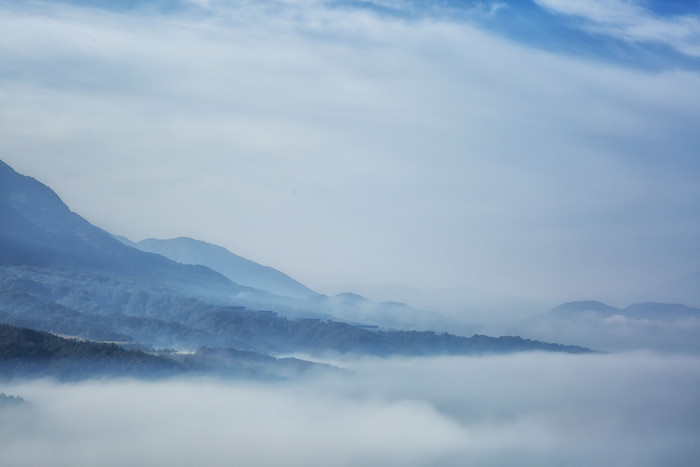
(345, 145)
(538, 409)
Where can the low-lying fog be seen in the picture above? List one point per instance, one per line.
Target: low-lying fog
(637, 409)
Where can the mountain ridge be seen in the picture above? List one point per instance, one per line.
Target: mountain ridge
(657, 311)
(34, 218)
(92, 283)
(237, 268)
(664, 327)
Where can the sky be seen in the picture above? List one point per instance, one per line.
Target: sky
(627, 410)
(544, 149)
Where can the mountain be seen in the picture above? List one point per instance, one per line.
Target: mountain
(355, 308)
(305, 302)
(26, 352)
(652, 311)
(38, 229)
(480, 308)
(684, 289)
(60, 273)
(240, 270)
(572, 309)
(667, 327)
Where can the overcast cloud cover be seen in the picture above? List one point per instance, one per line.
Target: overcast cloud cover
(527, 409)
(544, 149)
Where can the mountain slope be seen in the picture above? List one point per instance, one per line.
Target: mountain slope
(26, 352)
(58, 272)
(30, 353)
(345, 306)
(38, 229)
(240, 270)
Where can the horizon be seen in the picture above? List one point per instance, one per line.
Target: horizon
(538, 149)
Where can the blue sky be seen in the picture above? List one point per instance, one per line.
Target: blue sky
(541, 149)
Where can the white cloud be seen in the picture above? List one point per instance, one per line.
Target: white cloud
(628, 20)
(344, 146)
(526, 409)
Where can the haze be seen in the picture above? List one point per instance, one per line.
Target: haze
(533, 149)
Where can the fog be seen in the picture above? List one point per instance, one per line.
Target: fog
(525, 409)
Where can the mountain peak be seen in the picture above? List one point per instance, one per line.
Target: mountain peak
(581, 306)
(37, 228)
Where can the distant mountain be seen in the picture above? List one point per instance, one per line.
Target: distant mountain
(355, 308)
(684, 289)
(650, 311)
(653, 326)
(38, 229)
(571, 309)
(60, 273)
(240, 270)
(125, 240)
(462, 304)
(348, 307)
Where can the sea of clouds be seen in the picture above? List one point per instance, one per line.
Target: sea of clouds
(631, 409)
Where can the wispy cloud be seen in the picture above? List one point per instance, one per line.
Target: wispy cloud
(490, 8)
(629, 21)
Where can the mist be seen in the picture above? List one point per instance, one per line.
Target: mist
(525, 409)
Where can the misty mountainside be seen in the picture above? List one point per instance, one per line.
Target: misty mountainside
(29, 353)
(113, 308)
(305, 302)
(240, 270)
(38, 230)
(357, 309)
(59, 273)
(651, 326)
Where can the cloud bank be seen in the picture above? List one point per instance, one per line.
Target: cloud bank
(345, 145)
(526, 409)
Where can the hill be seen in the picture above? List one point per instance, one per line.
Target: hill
(27, 353)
